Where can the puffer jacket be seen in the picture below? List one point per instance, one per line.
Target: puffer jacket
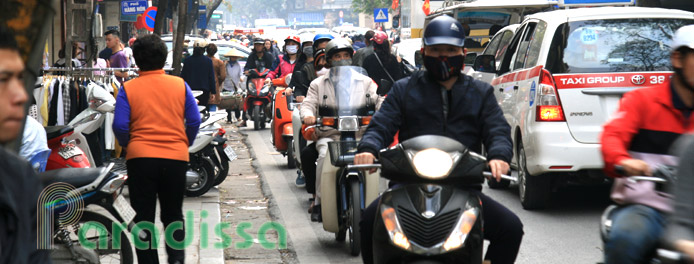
(322, 93)
(285, 67)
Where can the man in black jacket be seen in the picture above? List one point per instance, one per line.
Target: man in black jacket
(443, 101)
(19, 185)
(259, 59)
(198, 72)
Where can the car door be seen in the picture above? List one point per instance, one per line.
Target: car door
(496, 47)
(505, 84)
(527, 73)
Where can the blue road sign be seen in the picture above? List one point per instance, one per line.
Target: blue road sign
(202, 19)
(380, 15)
(133, 7)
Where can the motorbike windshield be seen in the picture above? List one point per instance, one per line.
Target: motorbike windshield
(350, 84)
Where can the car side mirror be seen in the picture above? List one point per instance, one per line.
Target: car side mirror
(485, 63)
(384, 87)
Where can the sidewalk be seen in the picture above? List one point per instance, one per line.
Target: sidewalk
(243, 202)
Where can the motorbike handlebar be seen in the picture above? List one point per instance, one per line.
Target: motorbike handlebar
(364, 166)
(669, 256)
(503, 176)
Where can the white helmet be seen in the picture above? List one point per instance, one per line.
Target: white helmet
(684, 37)
(306, 37)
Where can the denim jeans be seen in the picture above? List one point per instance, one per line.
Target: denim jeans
(634, 236)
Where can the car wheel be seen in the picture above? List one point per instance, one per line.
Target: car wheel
(534, 190)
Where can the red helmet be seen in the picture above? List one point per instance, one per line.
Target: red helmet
(293, 38)
(379, 37)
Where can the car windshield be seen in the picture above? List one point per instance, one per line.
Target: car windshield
(614, 45)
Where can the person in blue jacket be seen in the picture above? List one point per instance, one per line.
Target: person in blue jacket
(441, 100)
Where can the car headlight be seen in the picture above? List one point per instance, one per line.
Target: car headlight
(461, 230)
(432, 163)
(390, 220)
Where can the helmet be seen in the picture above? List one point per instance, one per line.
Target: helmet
(444, 30)
(258, 41)
(337, 45)
(322, 36)
(379, 37)
(200, 43)
(293, 38)
(684, 37)
(306, 37)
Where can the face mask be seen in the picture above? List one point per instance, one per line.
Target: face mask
(292, 49)
(345, 62)
(308, 50)
(322, 72)
(444, 68)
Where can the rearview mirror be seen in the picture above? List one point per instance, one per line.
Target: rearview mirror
(485, 63)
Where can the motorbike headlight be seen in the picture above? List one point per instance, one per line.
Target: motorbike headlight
(432, 163)
(390, 220)
(265, 89)
(348, 124)
(461, 230)
(114, 184)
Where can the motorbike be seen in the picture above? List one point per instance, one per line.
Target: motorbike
(221, 154)
(94, 186)
(431, 216)
(344, 191)
(663, 176)
(281, 126)
(258, 98)
(202, 170)
(69, 146)
(298, 141)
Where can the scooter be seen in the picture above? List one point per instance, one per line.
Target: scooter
(93, 186)
(345, 192)
(281, 126)
(69, 146)
(431, 216)
(663, 176)
(258, 98)
(201, 173)
(298, 141)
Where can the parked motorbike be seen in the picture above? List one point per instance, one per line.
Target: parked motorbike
(95, 186)
(281, 126)
(258, 98)
(663, 176)
(69, 146)
(201, 174)
(221, 154)
(431, 216)
(344, 191)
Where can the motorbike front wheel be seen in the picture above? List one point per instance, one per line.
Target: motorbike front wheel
(354, 216)
(223, 167)
(205, 168)
(291, 163)
(257, 117)
(110, 254)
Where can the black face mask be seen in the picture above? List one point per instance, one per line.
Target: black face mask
(444, 68)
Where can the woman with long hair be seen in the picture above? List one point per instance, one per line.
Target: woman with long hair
(382, 65)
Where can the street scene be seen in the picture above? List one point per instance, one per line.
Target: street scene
(347, 131)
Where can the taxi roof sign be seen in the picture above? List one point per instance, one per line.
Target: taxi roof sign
(576, 3)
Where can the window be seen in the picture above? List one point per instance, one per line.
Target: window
(493, 45)
(536, 45)
(522, 52)
(509, 55)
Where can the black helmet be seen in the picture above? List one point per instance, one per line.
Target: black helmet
(258, 41)
(337, 45)
(444, 30)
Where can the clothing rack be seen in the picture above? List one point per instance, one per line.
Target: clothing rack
(110, 70)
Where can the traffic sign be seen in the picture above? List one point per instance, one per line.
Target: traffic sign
(149, 17)
(380, 15)
(202, 17)
(133, 7)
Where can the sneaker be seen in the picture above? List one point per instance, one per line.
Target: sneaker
(300, 180)
(316, 215)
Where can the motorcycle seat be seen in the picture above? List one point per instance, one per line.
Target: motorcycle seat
(56, 131)
(77, 177)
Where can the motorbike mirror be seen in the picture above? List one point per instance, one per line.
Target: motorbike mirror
(485, 63)
(384, 87)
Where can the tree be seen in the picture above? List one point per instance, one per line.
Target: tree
(160, 20)
(212, 5)
(180, 36)
(367, 6)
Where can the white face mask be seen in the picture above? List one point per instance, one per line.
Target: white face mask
(292, 49)
(322, 72)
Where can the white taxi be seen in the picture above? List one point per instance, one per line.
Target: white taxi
(560, 78)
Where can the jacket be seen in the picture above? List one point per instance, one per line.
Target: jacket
(283, 69)
(681, 224)
(198, 72)
(644, 127)
(475, 117)
(378, 72)
(220, 74)
(361, 54)
(19, 194)
(303, 78)
(322, 93)
(253, 62)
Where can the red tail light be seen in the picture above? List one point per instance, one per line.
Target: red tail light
(221, 132)
(548, 105)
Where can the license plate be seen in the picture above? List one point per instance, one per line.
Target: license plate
(124, 209)
(69, 152)
(230, 153)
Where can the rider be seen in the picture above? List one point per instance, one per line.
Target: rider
(639, 137)
(419, 105)
(287, 60)
(322, 92)
(308, 73)
(259, 59)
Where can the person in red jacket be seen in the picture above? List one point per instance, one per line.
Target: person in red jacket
(288, 59)
(638, 138)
